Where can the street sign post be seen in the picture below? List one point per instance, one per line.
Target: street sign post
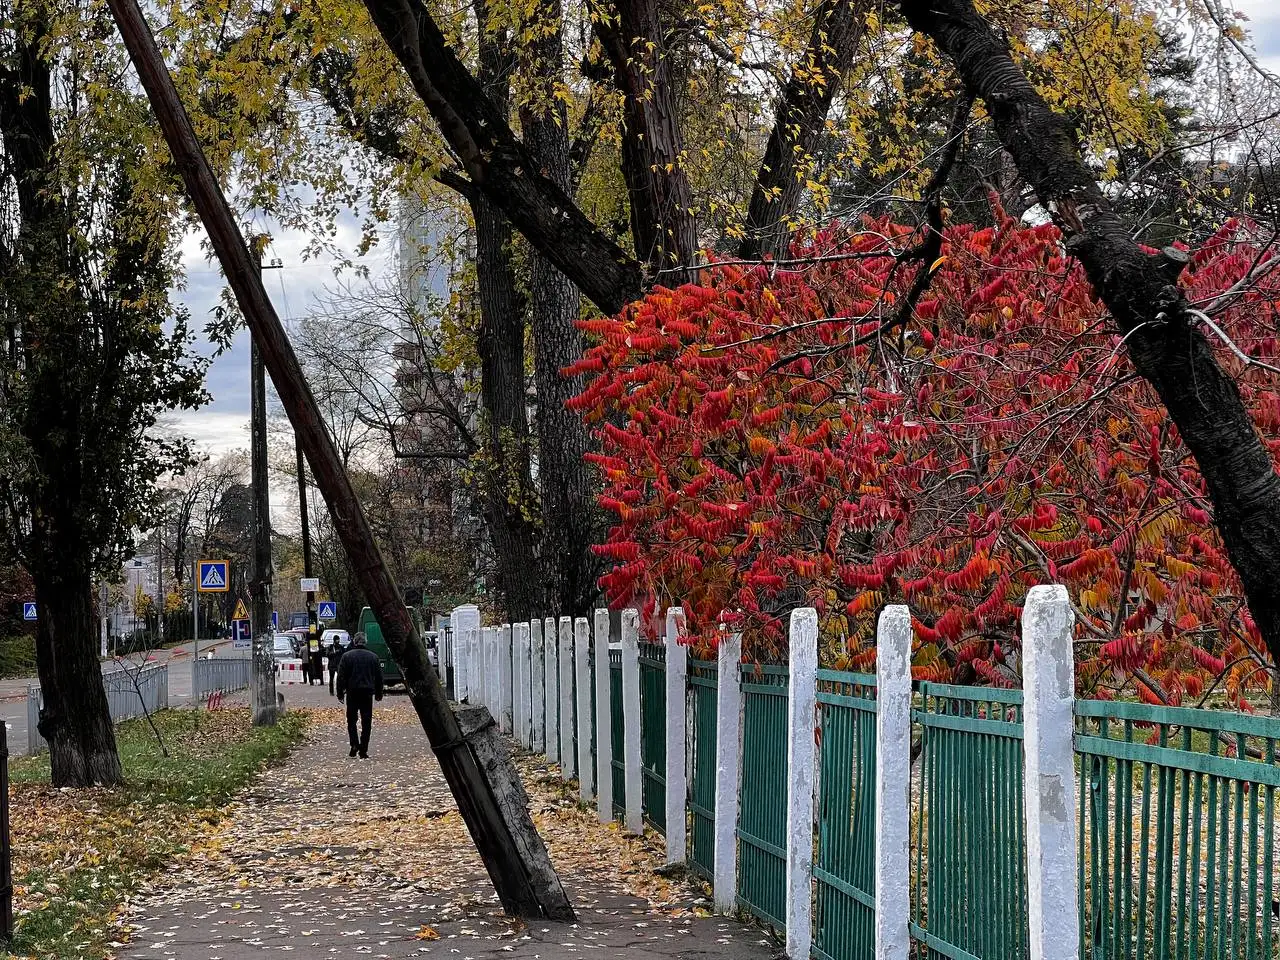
(212, 577)
(29, 611)
(328, 610)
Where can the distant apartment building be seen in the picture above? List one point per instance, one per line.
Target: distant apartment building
(435, 245)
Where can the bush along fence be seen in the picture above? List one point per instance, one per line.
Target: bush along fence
(1032, 825)
(130, 692)
(219, 675)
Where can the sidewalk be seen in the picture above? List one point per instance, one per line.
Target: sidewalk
(333, 857)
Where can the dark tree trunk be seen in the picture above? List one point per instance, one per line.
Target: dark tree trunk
(501, 166)
(58, 549)
(74, 719)
(509, 497)
(663, 226)
(572, 521)
(1162, 336)
(801, 119)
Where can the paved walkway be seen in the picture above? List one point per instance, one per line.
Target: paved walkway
(328, 856)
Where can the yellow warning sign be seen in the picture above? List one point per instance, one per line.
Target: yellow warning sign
(241, 613)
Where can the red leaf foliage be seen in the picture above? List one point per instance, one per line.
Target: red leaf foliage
(766, 444)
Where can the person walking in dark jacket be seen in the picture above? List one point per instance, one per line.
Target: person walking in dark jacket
(360, 682)
(335, 654)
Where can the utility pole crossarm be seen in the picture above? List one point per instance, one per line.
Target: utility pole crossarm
(505, 837)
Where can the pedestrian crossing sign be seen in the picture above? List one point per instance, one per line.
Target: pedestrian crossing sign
(28, 611)
(241, 613)
(211, 576)
(328, 610)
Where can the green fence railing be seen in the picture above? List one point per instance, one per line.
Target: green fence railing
(844, 865)
(762, 805)
(970, 889)
(1178, 833)
(618, 733)
(702, 767)
(653, 734)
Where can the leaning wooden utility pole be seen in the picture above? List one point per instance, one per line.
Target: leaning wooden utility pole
(484, 782)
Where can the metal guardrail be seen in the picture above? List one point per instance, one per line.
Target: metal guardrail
(219, 674)
(128, 692)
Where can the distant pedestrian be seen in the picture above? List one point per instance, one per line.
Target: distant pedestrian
(360, 682)
(335, 655)
(316, 657)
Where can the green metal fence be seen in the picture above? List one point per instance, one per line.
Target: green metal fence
(702, 766)
(1178, 833)
(844, 865)
(762, 805)
(618, 734)
(653, 734)
(970, 886)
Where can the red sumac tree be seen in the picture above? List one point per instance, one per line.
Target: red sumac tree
(776, 437)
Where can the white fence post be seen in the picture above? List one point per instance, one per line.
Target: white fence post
(552, 648)
(506, 682)
(568, 759)
(604, 719)
(475, 666)
(462, 620)
(801, 721)
(582, 669)
(724, 870)
(677, 707)
(537, 688)
(893, 784)
(522, 670)
(491, 672)
(1048, 721)
(634, 817)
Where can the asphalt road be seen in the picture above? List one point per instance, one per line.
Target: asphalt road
(13, 692)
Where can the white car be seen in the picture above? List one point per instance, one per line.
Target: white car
(282, 647)
(329, 636)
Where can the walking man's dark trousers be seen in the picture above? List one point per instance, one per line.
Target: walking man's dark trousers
(359, 704)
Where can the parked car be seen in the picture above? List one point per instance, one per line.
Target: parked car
(282, 647)
(341, 636)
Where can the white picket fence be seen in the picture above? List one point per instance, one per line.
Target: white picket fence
(506, 668)
(129, 690)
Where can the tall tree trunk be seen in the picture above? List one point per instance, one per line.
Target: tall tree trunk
(509, 498)
(572, 521)
(1161, 331)
(663, 225)
(801, 119)
(74, 719)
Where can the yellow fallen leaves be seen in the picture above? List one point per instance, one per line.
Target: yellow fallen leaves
(78, 855)
(427, 932)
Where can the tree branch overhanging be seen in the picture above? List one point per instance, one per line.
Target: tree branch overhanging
(1163, 338)
(498, 164)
